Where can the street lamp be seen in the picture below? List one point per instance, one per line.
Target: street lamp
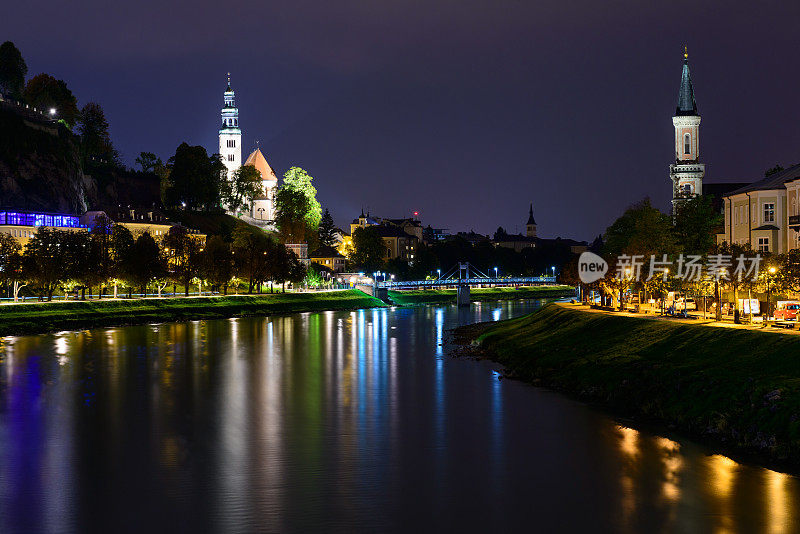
(438, 273)
(771, 271)
(52, 112)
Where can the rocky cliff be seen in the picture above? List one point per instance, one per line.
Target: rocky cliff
(41, 170)
(40, 166)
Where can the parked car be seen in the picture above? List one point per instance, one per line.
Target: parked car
(788, 312)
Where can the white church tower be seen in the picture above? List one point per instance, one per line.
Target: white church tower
(687, 172)
(230, 136)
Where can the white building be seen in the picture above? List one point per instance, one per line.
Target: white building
(230, 136)
(765, 214)
(263, 205)
(687, 172)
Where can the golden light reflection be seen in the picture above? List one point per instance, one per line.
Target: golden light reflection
(629, 441)
(779, 505)
(723, 474)
(673, 463)
(629, 445)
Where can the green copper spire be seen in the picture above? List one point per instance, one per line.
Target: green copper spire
(686, 103)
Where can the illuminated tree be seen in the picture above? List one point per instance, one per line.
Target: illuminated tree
(45, 261)
(297, 211)
(147, 263)
(11, 264)
(641, 230)
(238, 193)
(218, 263)
(183, 256)
(251, 247)
(44, 92)
(12, 70)
(121, 250)
(695, 222)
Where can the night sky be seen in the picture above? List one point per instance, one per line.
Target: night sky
(465, 111)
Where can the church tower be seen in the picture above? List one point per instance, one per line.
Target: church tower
(687, 172)
(230, 136)
(530, 226)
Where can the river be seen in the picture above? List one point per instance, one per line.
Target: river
(337, 422)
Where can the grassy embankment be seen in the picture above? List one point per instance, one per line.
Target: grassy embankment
(737, 388)
(443, 296)
(17, 319)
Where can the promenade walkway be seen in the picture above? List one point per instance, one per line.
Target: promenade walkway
(694, 320)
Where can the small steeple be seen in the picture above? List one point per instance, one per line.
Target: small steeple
(530, 226)
(228, 90)
(686, 102)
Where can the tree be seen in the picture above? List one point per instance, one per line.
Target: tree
(100, 252)
(45, 261)
(183, 256)
(12, 70)
(297, 211)
(44, 92)
(11, 264)
(81, 260)
(218, 263)
(195, 180)
(368, 249)
(327, 230)
(121, 252)
(500, 234)
(147, 262)
(251, 247)
(642, 229)
(239, 192)
(772, 170)
(734, 281)
(695, 222)
(148, 162)
(95, 139)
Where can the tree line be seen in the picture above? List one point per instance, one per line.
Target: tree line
(110, 259)
(645, 231)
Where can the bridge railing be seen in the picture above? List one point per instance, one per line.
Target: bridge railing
(389, 284)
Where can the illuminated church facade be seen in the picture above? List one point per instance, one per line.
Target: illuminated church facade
(262, 207)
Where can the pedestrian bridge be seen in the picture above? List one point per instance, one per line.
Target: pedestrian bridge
(462, 276)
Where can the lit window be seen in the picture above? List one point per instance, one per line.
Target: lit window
(763, 244)
(769, 212)
(687, 144)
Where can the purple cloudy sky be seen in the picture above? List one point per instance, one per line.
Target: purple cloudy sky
(463, 110)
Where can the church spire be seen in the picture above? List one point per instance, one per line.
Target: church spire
(530, 226)
(686, 103)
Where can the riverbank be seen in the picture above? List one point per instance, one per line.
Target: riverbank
(444, 296)
(735, 388)
(38, 318)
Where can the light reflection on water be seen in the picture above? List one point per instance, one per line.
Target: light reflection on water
(335, 421)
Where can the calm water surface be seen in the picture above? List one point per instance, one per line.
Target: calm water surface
(336, 422)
